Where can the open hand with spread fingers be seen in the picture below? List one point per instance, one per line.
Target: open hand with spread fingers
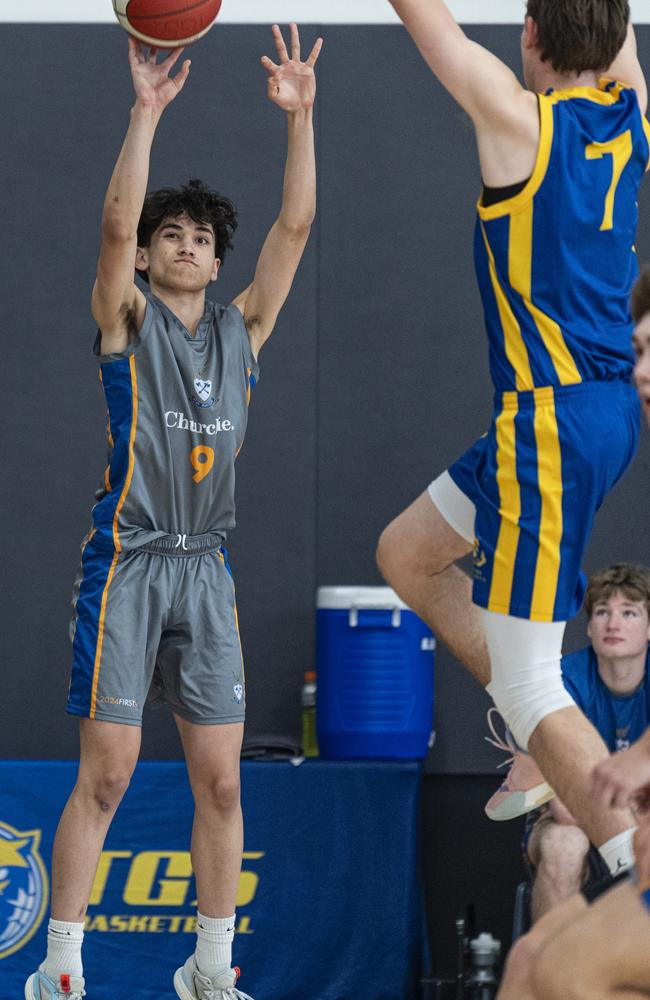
(154, 87)
(292, 84)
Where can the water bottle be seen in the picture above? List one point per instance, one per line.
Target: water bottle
(309, 738)
(485, 952)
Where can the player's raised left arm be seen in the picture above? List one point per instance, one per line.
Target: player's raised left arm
(627, 68)
(292, 86)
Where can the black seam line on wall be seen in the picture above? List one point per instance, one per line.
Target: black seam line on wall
(317, 333)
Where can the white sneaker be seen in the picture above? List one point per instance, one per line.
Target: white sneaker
(41, 987)
(191, 985)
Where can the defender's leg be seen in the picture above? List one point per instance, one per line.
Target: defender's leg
(416, 553)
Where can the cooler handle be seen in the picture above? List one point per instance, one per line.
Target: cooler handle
(371, 605)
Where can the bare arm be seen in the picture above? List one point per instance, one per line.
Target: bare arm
(118, 305)
(627, 69)
(292, 86)
(482, 84)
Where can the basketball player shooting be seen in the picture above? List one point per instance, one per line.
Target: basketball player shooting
(155, 606)
(562, 160)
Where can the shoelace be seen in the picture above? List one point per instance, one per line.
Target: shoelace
(501, 743)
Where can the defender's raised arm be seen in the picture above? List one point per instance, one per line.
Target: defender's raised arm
(118, 305)
(627, 68)
(480, 82)
(292, 86)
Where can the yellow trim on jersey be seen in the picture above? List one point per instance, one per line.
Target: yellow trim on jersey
(520, 267)
(539, 172)
(596, 94)
(515, 347)
(546, 103)
(100, 639)
(646, 129)
(129, 473)
(549, 471)
(505, 553)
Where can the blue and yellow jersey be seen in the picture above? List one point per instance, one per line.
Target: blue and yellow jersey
(556, 263)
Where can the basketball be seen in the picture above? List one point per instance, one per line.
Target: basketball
(166, 24)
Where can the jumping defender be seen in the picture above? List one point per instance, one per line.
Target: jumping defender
(561, 162)
(155, 603)
(600, 952)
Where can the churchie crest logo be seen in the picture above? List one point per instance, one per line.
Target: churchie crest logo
(23, 887)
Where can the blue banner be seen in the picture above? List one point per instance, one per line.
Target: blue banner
(329, 904)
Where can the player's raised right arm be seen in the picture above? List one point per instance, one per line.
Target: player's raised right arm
(118, 306)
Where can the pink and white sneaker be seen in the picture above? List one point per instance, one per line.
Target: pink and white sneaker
(524, 787)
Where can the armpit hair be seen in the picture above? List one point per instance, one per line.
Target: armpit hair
(252, 321)
(129, 319)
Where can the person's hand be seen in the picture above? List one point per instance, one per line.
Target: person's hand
(292, 84)
(624, 778)
(154, 87)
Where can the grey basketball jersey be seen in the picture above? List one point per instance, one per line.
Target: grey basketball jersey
(177, 416)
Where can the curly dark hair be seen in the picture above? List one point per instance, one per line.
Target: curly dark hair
(641, 295)
(197, 200)
(580, 35)
(631, 581)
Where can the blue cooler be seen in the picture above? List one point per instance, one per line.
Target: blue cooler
(375, 675)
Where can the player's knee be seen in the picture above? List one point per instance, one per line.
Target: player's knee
(525, 660)
(554, 977)
(562, 851)
(220, 791)
(107, 788)
(388, 554)
(521, 956)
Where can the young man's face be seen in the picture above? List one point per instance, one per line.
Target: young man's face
(641, 341)
(180, 256)
(619, 627)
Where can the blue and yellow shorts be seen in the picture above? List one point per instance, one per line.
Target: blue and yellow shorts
(537, 478)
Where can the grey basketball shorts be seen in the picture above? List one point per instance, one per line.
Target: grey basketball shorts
(157, 623)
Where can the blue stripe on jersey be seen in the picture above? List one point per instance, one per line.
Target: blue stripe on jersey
(556, 263)
(118, 389)
(96, 566)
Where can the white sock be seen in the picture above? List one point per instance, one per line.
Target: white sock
(214, 937)
(618, 853)
(63, 950)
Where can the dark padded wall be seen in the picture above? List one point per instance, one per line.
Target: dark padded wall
(375, 379)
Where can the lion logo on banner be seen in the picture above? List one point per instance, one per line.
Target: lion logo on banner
(23, 888)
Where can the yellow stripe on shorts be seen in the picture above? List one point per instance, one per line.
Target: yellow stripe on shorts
(549, 470)
(509, 501)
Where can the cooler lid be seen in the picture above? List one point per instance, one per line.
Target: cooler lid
(368, 598)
